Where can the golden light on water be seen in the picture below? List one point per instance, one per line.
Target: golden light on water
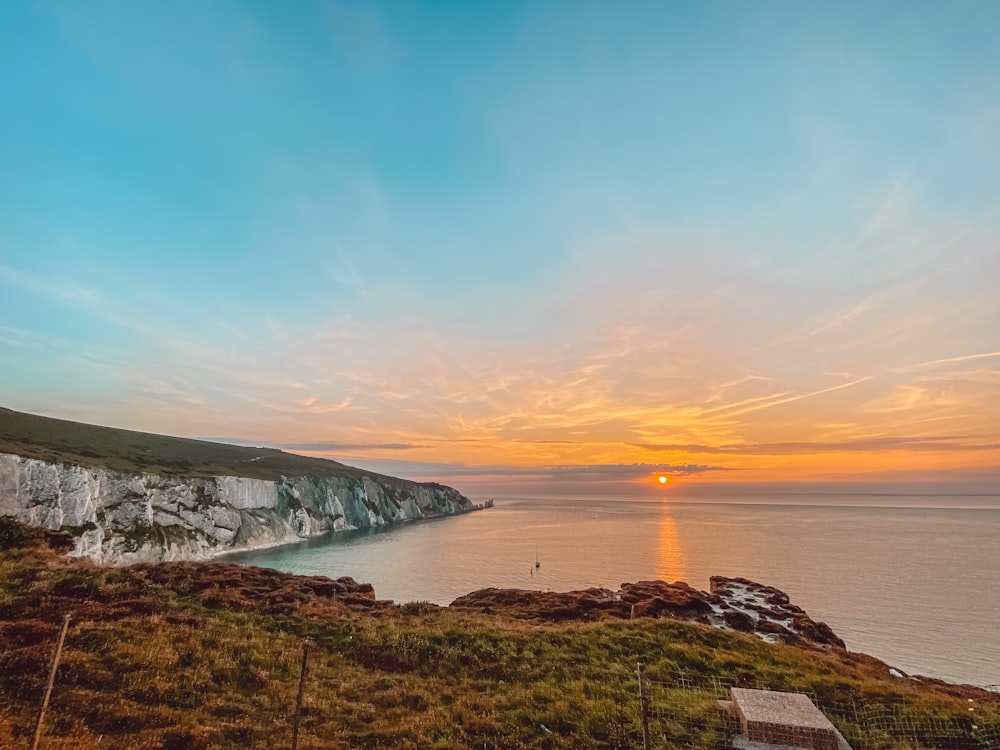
(669, 556)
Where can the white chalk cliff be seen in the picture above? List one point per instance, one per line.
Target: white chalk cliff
(122, 517)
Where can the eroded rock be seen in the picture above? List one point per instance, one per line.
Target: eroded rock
(120, 517)
(732, 604)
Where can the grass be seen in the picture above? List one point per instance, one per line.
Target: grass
(208, 656)
(61, 441)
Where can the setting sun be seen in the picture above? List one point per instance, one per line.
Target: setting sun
(662, 479)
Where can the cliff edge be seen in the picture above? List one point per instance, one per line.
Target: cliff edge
(130, 497)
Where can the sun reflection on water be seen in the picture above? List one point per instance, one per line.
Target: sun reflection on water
(669, 556)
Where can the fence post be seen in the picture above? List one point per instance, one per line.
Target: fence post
(643, 707)
(298, 697)
(52, 679)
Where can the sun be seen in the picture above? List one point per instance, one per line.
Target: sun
(661, 479)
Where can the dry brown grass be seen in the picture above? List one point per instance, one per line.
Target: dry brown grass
(207, 656)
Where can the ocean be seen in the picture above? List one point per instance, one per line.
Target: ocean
(911, 580)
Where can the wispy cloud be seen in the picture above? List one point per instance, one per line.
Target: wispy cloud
(56, 289)
(320, 446)
(951, 360)
(829, 325)
(718, 392)
(654, 370)
(346, 274)
(861, 445)
(855, 312)
(781, 399)
(914, 397)
(170, 388)
(558, 474)
(891, 212)
(318, 406)
(103, 357)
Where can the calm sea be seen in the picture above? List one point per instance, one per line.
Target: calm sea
(914, 581)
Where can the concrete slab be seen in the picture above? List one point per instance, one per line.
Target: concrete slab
(783, 719)
(742, 743)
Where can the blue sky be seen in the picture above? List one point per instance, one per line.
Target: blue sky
(528, 235)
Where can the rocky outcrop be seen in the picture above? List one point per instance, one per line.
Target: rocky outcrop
(659, 599)
(767, 611)
(732, 604)
(545, 606)
(124, 517)
(252, 589)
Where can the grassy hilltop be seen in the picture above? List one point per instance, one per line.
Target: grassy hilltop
(62, 441)
(202, 655)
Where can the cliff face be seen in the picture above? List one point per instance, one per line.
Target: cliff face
(124, 517)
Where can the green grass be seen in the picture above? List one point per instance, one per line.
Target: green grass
(208, 656)
(61, 441)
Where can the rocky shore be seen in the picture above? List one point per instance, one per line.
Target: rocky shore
(201, 655)
(735, 604)
(731, 604)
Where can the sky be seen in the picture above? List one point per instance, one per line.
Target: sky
(518, 246)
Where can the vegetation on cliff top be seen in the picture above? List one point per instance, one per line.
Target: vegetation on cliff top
(62, 441)
(201, 655)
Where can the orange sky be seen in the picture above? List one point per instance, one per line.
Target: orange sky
(525, 246)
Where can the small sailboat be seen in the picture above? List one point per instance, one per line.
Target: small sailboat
(537, 564)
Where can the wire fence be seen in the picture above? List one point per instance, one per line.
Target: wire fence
(688, 710)
(301, 697)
